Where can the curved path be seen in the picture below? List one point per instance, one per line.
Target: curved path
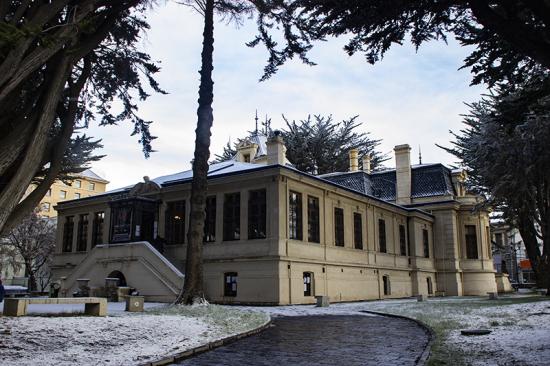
(324, 340)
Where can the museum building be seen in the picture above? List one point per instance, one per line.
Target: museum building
(277, 235)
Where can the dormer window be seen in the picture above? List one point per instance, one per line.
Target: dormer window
(246, 158)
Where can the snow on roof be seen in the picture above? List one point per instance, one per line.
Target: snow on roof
(88, 173)
(216, 169)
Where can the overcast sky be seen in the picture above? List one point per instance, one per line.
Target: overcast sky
(408, 97)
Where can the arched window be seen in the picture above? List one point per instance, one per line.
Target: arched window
(430, 286)
(308, 284)
(387, 285)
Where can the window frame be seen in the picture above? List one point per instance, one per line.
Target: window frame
(257, 214)
(68, 233)
(471, 242)
(402, 240)
(308, 286)
(98, 226)
(82, 233)
(210, 219)
(382, 242)
(339, 227)
(426, 243)
(295, 216)
(358, 230)
(175, 229)
(313, 220)
(232, 216)
(228, 289)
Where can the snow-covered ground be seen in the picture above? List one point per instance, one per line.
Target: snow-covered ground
(118, 339)
(520, 328)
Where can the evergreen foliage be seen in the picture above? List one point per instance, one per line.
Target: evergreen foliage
(319, 145)
(64, 64)
(510, 37)
(505, 150)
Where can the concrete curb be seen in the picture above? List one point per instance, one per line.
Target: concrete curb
(207, 347)
(423, 358)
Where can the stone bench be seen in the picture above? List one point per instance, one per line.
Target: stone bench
(96, 306)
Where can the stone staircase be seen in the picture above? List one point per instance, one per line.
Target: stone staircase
(143, 267)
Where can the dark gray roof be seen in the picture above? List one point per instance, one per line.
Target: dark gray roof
(428, 180)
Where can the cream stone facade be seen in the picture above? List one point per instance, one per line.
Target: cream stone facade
(276, 235)
(84, 184)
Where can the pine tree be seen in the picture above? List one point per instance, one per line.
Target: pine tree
(62, 65)
(320, 145)
(504, 148)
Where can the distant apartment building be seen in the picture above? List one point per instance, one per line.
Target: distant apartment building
(510, 256)
(85, 184)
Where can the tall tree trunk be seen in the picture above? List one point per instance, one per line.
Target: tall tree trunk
(11, 194)
(193, 288)
(540, 262)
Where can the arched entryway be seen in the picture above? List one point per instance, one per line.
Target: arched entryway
(120, 276)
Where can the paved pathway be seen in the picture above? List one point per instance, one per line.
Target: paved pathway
(344, 340)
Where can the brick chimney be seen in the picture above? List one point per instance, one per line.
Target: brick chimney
(353, 160)
(276, 150)
(403, 174)
(366, 163)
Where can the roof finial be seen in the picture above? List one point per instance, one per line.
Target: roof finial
(419, 155)
(256, 119)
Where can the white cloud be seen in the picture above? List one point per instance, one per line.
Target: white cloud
(408, 97)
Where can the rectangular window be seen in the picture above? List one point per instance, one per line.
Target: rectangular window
(99, 219)
(498, 240)
(230, 284)
(82, 236)
(307, 284)
(175, 222)
(77, 183)
(92, 186)
(402, 240)
(357, 230)
(257, 214)
(210, 220)
(62, 194)
(382, 235)
(77, 195)
(426, 243)
(338, 227)
(232, 216)
(295, 216)
(313, 228)
(471, 242)
(68, 230)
